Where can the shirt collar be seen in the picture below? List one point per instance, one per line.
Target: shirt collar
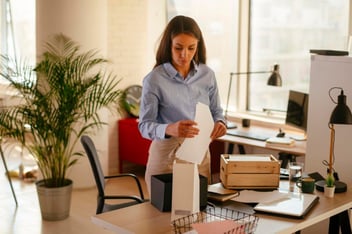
(172, 72)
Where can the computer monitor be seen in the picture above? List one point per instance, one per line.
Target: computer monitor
(297, 110)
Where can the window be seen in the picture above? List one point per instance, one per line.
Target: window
(17, 31)
(244, 36)
(283, 32)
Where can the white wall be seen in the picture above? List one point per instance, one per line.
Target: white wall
(134, 27)
(123, 31)
(85, 21)
(327, 72)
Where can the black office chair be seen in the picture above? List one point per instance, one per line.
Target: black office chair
(102, 206)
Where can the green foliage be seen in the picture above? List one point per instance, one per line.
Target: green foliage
(58, 101)
(125, 108)
(330, 180)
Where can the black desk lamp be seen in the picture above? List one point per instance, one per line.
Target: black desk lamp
(340, 115)
(274, 80)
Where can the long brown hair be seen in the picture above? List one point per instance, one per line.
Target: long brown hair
(180, 24)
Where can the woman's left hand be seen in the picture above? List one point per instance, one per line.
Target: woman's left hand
(218, 130)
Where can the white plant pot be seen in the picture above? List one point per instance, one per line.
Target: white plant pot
(329, 191)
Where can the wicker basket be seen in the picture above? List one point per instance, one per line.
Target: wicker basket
(247, 222)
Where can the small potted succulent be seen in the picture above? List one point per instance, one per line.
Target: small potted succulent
(329, 187)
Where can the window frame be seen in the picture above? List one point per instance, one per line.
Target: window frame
(243, 64)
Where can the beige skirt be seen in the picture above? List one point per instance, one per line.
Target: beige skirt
(162, 157)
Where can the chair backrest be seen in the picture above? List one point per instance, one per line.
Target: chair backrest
(92, 154)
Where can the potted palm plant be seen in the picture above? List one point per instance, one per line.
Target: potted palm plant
(58, 101)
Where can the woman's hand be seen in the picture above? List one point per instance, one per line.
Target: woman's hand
(218, 130)
(182, 128)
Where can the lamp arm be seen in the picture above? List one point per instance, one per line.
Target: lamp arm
(332, 141)
(228, 95)
(230, 85)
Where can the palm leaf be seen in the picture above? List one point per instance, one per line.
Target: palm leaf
(69, 91)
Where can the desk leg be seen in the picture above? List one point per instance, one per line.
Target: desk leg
(345, 222)
(340, 220)
(230, 148)
(286, 158)
(240, 148)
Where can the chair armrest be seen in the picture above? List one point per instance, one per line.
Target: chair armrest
(136, 198)
(120, 175)
(129, 175)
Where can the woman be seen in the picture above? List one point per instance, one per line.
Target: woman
(179, 80)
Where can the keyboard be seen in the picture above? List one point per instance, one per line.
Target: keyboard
(248, 134)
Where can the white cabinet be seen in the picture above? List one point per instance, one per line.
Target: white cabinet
(327, 72)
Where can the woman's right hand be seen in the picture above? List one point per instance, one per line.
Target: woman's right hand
(182, 128)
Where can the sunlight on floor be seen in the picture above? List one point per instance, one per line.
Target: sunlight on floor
(26, 218)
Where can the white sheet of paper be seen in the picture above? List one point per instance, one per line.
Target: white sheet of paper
(193, 149)
(218, 188)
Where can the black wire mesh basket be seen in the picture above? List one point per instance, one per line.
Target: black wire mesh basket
(246, 223)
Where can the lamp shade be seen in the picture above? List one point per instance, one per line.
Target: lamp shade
(274, 80)
(342, 113)
(275, 77)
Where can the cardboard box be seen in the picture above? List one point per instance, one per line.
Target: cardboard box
(249, 171)
(161, 191)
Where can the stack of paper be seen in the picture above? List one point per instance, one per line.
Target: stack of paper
(280, 141)
(217, 192)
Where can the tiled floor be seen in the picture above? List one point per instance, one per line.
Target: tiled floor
(26, 218)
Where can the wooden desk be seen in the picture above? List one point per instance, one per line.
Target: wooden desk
(299, 149)
(217, 147)
(145, 218)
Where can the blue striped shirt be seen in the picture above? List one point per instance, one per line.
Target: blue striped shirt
(167, 98)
